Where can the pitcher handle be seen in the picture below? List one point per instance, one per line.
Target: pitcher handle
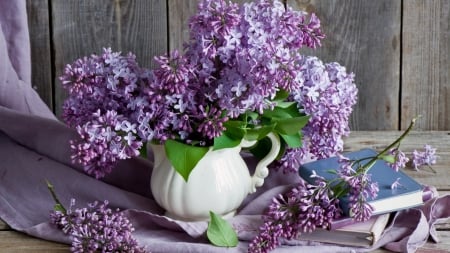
(261, 171)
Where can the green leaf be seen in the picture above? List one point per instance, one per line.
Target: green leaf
(252, 115)
(291, 126)
(285, 111)
(234, 124)
(235, 129)
(286, 105)
(281, 95)
(225, 141)
(277, 113)
(292, 140)
(258, 133)
(184, 157)
(388, 158)
(220, 232)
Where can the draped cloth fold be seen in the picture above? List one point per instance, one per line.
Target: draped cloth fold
(34, 147)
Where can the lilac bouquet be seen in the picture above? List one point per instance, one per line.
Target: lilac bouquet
(240, 76)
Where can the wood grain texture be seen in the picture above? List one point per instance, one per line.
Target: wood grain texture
(3, 225)
(41, 62)
(15, 242)
(82, 27)
(364, 36)
(426, 63)
(179, 13)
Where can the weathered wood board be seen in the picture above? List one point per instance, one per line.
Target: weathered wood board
(426, 63)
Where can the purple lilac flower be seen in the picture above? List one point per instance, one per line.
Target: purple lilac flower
(96, 228)
(361, 188)
(426, 157)
(105, 139)
(400, 159)
(303, 209)
(108, 106)
(328, 95)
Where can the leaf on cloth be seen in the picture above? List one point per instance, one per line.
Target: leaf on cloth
(220, 233)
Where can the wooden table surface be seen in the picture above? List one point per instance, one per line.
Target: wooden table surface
(12, 241)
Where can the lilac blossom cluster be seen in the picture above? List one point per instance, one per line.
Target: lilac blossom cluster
(328, 95)
(236, 60)
(400, 159)
(107, 104)
(301, 210)
(427, 157)
(96, 228)
(263, 38)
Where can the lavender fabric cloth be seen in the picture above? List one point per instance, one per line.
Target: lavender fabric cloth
(15, 61)
(34, 148)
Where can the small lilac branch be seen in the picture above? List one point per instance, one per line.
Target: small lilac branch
(428, 157)
(359, 185)
(94, 228)
(392, 145)
(301, 210)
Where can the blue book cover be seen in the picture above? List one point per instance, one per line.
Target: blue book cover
(409, 194)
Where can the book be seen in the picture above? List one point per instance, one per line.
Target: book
(408, 195)
(360, 234)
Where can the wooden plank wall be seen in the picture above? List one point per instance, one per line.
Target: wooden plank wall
(398, 49)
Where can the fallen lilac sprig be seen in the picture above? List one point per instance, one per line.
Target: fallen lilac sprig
(303, 209)
(306, 206)
(95, 228)
(427, 157)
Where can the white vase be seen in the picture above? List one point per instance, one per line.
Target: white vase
(219, 182)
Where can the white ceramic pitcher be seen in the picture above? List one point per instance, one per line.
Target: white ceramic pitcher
(219, 182)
